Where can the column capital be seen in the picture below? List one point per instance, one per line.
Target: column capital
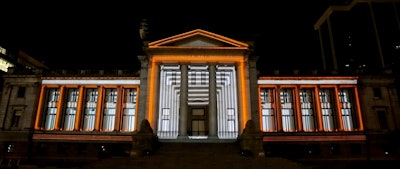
(212, 66)
(184, 63)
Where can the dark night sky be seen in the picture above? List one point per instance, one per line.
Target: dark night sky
(104, 34)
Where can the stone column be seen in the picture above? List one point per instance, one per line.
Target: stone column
(142, 108)
(212, 130)
(183, 107)
(253, 77)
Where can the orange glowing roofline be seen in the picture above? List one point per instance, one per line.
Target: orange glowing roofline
(196, 32)
(202, 59)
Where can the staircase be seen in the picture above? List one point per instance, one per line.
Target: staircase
(173, 155)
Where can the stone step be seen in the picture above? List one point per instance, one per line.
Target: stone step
(196, 156)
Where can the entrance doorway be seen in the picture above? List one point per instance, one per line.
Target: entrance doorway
(198, 121)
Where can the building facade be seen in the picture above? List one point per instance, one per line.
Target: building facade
(199, 86)
(196, 86)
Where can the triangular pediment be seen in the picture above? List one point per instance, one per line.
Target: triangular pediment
(198, 38)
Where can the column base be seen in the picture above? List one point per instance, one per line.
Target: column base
(213, 137)
(183, 137)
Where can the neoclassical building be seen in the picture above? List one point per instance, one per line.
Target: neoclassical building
(197, 86)
(191, 86)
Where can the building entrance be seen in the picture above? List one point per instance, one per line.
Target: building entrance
(198, 121)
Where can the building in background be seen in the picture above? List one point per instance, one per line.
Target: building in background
(19, 101)
(362, 38)
(11, 58)
(199, 86)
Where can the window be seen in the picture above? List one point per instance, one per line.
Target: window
(16, 118)
(287, 107)
(110, 105)
(21, 92)
(53, 95)
(70, 109)
(377, 92)
(327, 108)
(268, 109)
(382, 119)
(345, 99)
(307, 109)
(129, 110)
(90, 109)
